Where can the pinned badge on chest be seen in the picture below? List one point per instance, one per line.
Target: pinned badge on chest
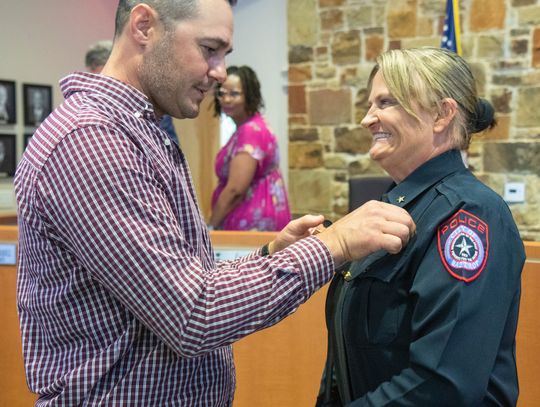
(463, 245)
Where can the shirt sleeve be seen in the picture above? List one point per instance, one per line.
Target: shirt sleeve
(106, 206)
(459, 327)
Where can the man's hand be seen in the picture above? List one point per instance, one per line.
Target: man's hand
(294, 231)
(373, 226)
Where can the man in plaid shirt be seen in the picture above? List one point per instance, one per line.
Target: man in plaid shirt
(120, 300)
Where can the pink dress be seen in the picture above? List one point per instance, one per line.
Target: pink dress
(265, 206)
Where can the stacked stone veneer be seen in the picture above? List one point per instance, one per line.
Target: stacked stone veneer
(332, 48)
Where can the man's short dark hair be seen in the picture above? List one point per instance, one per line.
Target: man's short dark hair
(168, 11)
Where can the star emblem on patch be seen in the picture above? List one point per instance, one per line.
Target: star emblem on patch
(463, 244)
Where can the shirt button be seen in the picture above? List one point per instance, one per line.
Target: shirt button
(137, 115)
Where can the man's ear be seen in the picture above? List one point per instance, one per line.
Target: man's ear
(446, 115)
(142, 23)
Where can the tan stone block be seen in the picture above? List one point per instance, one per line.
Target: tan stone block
(394, 44)
(479, 73)
(508, 157)
(310, 191)
(329, 106)
(487, 15)
(321, 53)
(467, 46)
(531, 78)
(300, 73)
(374, 47)
(331, 3)
(297, 120)
(425, 26)
(501, 99)
(353, 141)
(331, 19)
(527, 112)
(359, 17)
(302, 22)
(536, 48)
(364, 165)
(346, 47)
(528, 16)
(490, 47)
(350, 77)
(305, 155)
(299, 54)
(379, 15)
(401, 21)
(417, 42)
(336, 161)
(303, 134)
(519, 3)
(325, 71)
(297, 99)
(500, 132)
(519, 46)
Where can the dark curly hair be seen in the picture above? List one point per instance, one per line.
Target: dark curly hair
(250, 86)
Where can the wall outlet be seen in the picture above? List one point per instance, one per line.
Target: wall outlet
(514, 192)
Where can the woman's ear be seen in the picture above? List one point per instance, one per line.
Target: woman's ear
(142, 21)
(446, 115)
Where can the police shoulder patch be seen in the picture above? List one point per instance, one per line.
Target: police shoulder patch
(463, 245)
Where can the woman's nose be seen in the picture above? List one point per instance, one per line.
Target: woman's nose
(370, 118)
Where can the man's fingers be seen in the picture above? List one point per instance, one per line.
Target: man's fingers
(401, 231)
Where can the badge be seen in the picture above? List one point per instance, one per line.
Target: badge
(463, 245)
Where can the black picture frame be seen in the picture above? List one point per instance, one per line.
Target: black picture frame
(37, 103)
(26, 139)
(8, 105)
(8, 151)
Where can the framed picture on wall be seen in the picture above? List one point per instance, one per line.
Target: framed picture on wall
(37, 103)
(8, 113)
(7, 155)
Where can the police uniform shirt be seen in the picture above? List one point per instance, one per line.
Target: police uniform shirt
(435, 324)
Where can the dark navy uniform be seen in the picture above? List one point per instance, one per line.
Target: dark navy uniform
(435, 324)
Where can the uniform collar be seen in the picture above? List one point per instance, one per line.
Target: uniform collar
(428, 174)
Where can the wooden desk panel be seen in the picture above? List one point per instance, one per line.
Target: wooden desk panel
(13, 389)
(528, 333)
(279, 366)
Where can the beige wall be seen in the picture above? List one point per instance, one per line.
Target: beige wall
(40, 42)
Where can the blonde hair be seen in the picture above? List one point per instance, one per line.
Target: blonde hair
(423, 77)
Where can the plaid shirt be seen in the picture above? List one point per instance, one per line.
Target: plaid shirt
(120, 300)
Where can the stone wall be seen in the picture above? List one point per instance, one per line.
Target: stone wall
(332, 47)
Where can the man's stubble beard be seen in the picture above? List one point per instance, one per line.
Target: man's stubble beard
(158, 73)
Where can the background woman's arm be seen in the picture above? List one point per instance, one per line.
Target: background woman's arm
(241, 172)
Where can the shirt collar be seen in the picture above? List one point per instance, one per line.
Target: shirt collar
(428, 174)
(119, 93)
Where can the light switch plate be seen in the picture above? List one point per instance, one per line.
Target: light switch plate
(514, 192)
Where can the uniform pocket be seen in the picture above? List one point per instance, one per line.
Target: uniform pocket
(374, 313)
(385, 312)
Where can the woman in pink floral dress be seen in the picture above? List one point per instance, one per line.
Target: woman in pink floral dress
(251, 194)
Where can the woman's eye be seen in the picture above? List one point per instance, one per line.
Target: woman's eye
(388, 102)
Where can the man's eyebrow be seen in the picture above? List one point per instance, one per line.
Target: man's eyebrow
(221, 43)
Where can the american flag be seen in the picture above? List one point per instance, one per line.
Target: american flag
(450, 36)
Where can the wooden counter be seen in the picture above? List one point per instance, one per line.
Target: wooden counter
(279, 366)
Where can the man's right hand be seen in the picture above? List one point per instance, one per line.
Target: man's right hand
(373, 226)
